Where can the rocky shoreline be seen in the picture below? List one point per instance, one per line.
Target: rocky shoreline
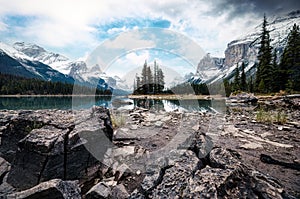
(153, 154)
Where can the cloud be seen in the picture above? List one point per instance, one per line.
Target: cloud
(3, 26)
(129, 41)
(237, 8)
(65, 24)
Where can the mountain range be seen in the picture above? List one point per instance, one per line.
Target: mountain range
(245, 49)
(33, 61)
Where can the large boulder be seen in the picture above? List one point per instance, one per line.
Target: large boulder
(61, 151)
(55, 188)
(100, 190)
(40, 157)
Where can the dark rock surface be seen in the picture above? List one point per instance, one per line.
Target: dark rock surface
(100, 190)
(48, 144)
(55, 188)
(223, 177)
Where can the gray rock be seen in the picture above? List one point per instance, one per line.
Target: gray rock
(53, 151)
(55, 188)
(4, 167)
(242, 98)
(224, 159)
(119, 192)
(5, 188)
(224, 177)
(175, 178)
(136, 195)
(100, 190)
(38, 149)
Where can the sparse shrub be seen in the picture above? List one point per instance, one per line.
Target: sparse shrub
(278, 117)
(118, 120)
(281, 118)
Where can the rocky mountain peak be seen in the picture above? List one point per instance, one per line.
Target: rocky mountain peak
(38, 53)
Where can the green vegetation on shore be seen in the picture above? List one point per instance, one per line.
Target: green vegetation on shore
(271, 116)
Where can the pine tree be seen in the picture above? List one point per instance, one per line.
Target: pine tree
(236, 81)
(227, 87)
(155, 77)
(160, 80)
(144, 75)
(261, 86)
(289, 69)
(243, 78)
(149, 80)
(264, 69)
(250, 85)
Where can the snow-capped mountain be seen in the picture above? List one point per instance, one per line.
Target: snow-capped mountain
(16, 63)
(33, 61)
(38, 53)
(209, 66)
(245, 49)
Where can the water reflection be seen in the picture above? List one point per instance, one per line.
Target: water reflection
(85, 102)
(185, 105)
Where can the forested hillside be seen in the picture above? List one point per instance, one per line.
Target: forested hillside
(13, 85)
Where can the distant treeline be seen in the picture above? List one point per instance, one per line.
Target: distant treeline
(14, 85)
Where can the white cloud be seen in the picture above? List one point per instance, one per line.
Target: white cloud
(128, 62)
(129, 41)
(138, 59)
(60, 23)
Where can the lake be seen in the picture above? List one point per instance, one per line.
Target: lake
(85, 102)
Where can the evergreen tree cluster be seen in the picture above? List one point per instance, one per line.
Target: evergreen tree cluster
(190, 88)
(150, 82)
(14, 85)
(240, 82)
(273, 77)
(270, 76)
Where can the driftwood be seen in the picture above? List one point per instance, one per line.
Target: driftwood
(269, 160)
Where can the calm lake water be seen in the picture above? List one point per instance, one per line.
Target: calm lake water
(63, 103)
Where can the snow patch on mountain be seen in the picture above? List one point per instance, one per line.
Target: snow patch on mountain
(38, 53)
(14, 53)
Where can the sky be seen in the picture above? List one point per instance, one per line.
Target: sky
(75, 28)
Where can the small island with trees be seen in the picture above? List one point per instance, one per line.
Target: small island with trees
(150, 82)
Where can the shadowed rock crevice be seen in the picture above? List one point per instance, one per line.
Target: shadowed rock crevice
(269, 160)
(148, 191)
